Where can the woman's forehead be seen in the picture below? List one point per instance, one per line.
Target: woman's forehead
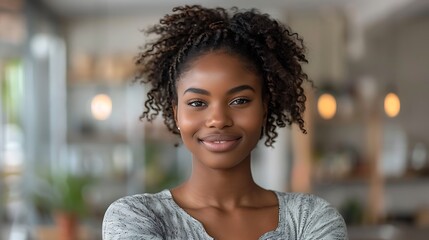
(218, 64)
(220, 68)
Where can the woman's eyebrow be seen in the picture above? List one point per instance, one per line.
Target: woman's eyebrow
(239, 89)
(230, 91)
(197, 91)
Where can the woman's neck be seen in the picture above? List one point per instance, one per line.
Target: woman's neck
(222, 188)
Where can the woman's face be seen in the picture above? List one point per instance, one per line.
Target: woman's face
(220, 111)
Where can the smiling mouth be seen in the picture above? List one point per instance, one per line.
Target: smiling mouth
(220, 143)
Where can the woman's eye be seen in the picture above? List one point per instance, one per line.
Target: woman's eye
(240, 101)
(196, 104)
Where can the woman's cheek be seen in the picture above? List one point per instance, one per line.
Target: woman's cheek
(189, 119)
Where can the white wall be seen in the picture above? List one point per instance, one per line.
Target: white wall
(104, 35)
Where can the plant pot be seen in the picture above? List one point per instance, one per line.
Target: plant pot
(67, 226)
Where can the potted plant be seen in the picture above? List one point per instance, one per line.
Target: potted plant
(66, 202)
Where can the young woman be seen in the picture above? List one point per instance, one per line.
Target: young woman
(223, 81)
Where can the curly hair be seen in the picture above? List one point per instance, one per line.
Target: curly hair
(272, 49)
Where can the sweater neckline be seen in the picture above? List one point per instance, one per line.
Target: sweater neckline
(272, 233)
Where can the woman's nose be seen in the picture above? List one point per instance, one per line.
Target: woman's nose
(218, 117)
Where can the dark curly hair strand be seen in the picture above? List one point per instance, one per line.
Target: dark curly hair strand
(269, 48)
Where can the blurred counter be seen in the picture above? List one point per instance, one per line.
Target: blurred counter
(387, 232)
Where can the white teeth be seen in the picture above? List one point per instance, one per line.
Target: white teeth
(219, 141)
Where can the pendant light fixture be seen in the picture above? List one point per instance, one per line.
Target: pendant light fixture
(101, 107)
(392, 104)
(327, 106)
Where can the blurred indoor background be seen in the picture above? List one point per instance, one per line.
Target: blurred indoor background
(71, 141)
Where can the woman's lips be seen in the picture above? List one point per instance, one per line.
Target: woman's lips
(220, 143)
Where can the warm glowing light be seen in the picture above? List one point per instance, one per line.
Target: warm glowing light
(101, 107)
(327, 106)
(392, 105)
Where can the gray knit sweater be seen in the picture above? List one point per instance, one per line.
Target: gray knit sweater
(157, 216)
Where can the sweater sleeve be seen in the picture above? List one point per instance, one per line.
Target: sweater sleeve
(324, 222)
(128, 218)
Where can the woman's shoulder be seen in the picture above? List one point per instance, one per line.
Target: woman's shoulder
(302, 200)
(143, 198)
(139, 202)
(311, 216)
(306, 205)
(136, 216)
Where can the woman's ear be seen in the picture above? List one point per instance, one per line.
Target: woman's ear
(264, 119)
(175, 114)
(265, 111)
